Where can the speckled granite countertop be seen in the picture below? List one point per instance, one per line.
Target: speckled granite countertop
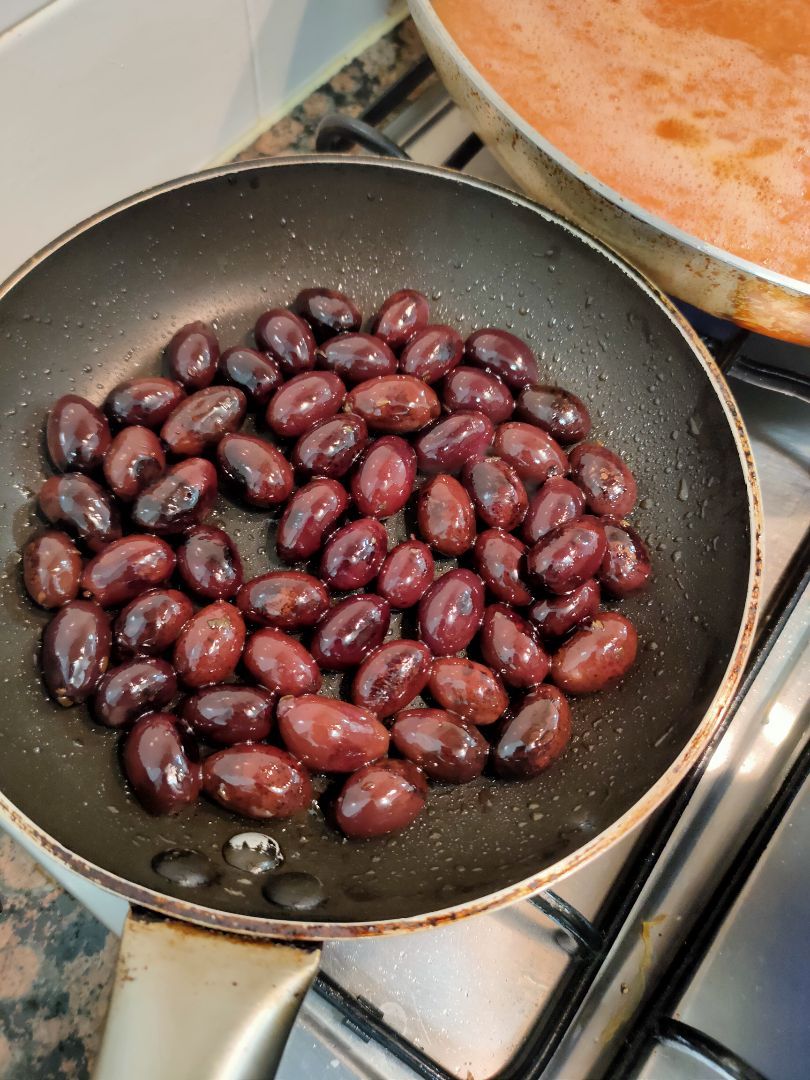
(56, 960)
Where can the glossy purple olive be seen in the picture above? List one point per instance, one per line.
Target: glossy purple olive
(557, 411)
(626, 566)
(331, 447)
(356, 357)
(151, 623)
(229, 714)
(209, 646)
(209, 563)
(381, 798)
(554, 616)
(597, 656)
(450, 612)
(503, 354)
(328, 735)
(394, 404)
(256, 374)
(77, 503)
(453, 441)
(285, 599)
(470, 690)
(258, 472)
(202, 419)
(440, 743)
(391, 676)
(347, 634)
(300, 403)
(328, 312)
(182, 497)
(281, 664)
(432, 352)
(134, 460)
(311, 512)
(127, 567)
(52, 568)
(75, 651)
(257, 781)
(556, 503)
(77, 434)
(531, 452)
(468, 389)
(160, 764)
(511, 647)
(148, 401)
(608, 483)
(568, 555)
(445, 515)
(144, 684)
(353, 555)
(287, 340)
(497, 493)
(406, 574)
(535, 737)
(385, 477)
(193, 355)
(500, 559)
(401, 315)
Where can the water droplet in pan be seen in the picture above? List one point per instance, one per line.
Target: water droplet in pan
(189, 869)
(253, 851)
(298, 891)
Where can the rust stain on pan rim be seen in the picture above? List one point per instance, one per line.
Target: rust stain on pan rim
(300, 930)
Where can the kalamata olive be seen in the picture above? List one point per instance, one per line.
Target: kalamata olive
(385, 477)
(450, 612)
(347, 634)
(52, 567)
(257, 781)
(134, 460)
(531, 452)
(440, 743)
(151, 623)
(181, 497)
(331, 446)
(450, 443)
(330, 735)
(503, 354)
(609, 486)
(78, 504)
(534, 738)
(209, 645)
(497, 492)
(557, 411)
(509, 644)
(259, 472)
(257, 375)
(148, 401)
(500, 559)
(626, 566)
(77, 434)
(308, 516)
(401, 315)
(127, 567)
(202, 419)
(356, 357)
(445, 515)
(556, 503)
(381, 798)
(406, 574)
(144, 684)
(209, 563)
(392, 676)
(327, 312)
(281, 663)
(193, 355)
(432, 352)
(352, 556)
(467, 389)
(287, 339)
(285, 599)
(160, 764)
(229, 714)
(554, 616)
(394, 404)
(300, 403)
(597, 655)
(75, 651)
(568, 555)
(467, 689)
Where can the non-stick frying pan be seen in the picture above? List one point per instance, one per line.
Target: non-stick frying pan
(98, 306)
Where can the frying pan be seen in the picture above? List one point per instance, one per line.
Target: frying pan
(98, 305)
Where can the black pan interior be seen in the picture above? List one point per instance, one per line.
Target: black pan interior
(99, 309)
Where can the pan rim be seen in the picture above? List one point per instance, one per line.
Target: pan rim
(305, 930)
